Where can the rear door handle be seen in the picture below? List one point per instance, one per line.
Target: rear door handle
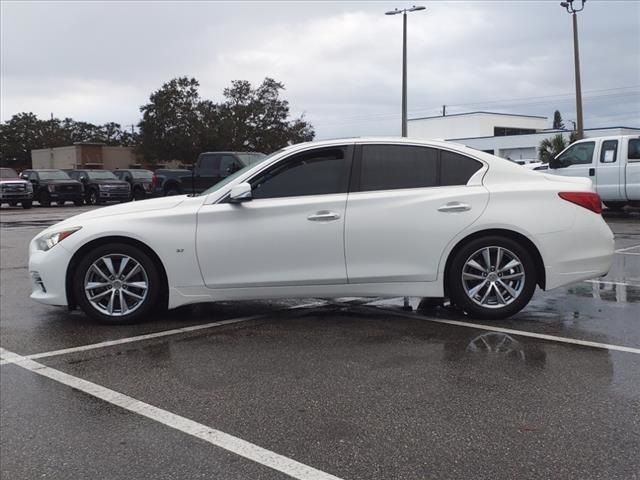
(453, 207)
(323, 216)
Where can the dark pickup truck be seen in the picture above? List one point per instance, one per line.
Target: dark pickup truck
(101, 186)
(209, 169)
(51, 185)
(142, 182)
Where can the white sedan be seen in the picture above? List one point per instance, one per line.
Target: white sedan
(358, 217)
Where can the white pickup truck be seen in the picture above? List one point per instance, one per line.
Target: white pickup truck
(612, 163)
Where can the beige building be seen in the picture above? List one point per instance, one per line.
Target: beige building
(85, 155)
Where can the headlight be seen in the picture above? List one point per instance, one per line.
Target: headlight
(51, 188)
(50, 240)
(102, 187)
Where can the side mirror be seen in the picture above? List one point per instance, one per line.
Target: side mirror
(240, 193)
(555, 163)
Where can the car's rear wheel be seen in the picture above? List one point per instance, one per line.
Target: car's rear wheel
(117, 284)
(491, 277)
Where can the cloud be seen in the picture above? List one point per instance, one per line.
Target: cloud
(340, 62)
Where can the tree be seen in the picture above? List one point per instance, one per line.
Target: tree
(558, 124)
(258, 119)
(550, 147)
(171, 122)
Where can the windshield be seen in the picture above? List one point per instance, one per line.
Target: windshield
(8, 173)
(53, 175)
(141, 174)
(235, 175)
(101, 175)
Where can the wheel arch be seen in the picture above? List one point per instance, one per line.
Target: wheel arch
(97, 242)
(511, 234)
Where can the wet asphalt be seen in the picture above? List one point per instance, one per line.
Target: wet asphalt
(357, 388)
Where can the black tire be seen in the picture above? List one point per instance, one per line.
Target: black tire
(153, 276)
(44, 199)
(60, 203)
(138, 194)
(13, 204)
(26, 204)
(429, 303)
(525, 288)
(93, 198)
(79, 202)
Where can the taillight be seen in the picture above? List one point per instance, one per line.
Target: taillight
(154, 181)
(589, 200)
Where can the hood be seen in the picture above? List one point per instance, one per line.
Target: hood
(69, 181)
(126, 208)
(13, 180)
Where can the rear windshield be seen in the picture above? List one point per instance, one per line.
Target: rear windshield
(101, 175)
(53, 175)
(8, 173)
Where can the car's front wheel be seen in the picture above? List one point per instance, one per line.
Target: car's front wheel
(491, 277)
(117, 283)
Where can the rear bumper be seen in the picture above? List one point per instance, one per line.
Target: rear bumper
(582, 252)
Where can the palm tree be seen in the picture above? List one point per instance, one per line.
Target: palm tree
(550, 147)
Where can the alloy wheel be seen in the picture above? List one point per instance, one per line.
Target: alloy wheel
(116, 285)
(493, 277)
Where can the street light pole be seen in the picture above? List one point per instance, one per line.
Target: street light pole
(568, 5)
(404, 60)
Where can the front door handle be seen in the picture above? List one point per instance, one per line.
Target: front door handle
(453, 207)
(323, 216)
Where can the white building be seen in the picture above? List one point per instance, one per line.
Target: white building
(508, 136)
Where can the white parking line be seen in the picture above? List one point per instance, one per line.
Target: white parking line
(622, 250)
(148, 336)
(215, 437)
(522, 333)
(137, 338)
(606, 282)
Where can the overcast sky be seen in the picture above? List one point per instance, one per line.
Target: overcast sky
(340, 61)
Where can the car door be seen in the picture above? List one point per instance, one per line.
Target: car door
(289, 233)
(609, 175)
(576, 161)
(405, 206)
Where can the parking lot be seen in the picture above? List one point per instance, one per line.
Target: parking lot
(350, 388)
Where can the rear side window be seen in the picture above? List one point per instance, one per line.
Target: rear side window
(389, 167)
(319, 172)
(634, 149)
(457, 169)
(210, 163)
(609, 151)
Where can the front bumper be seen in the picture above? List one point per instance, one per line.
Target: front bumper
(48, 274)
(65, 195)
(106, 195)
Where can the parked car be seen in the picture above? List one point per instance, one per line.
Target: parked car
(209, 169)
(51, 185)
(359, 217)
(101, 186)
(612, 164)
(14, 190)
(141, 182)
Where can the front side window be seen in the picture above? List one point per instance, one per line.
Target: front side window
(319, 172)
(390, 167)
(228, 165)
(609, 151)
(634, 149)
(578, 154)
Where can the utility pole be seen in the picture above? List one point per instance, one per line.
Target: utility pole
(444, 110)
(404, 60)
(568, 5)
